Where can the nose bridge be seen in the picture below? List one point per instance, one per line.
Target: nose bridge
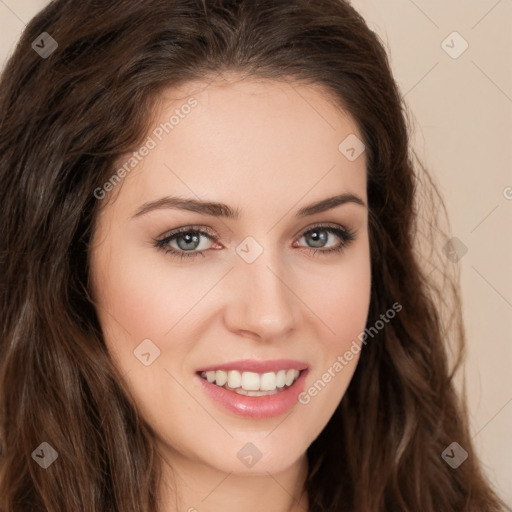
(263, 302)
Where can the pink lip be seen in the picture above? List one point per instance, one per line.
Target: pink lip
(256, 406)
(252, 365)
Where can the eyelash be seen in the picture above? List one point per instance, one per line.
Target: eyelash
(346, 235)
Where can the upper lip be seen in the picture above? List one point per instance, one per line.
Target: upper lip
(253, 365)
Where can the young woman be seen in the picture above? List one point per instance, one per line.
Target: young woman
(212, 296)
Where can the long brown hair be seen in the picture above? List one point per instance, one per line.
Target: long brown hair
(66, 118)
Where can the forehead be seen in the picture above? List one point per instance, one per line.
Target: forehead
(258, 139)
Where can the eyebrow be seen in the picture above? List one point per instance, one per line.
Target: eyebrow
(223, 210)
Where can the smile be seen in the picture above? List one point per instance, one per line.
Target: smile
(252, 388)
(251, 383)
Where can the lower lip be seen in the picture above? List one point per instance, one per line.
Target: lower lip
(256, 406)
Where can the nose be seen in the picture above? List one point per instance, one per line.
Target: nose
(262, 303)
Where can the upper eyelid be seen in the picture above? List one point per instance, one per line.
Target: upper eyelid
(187, 229)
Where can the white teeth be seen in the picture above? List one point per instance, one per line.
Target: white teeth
(268, 381)
(251, 383)
(234, 379)
(290, 377)
(280, 378)
(261, 393)
(221, 377)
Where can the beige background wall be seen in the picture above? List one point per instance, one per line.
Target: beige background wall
(463, 115)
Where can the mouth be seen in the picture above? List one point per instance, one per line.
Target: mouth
(256, 389)
(252, 383)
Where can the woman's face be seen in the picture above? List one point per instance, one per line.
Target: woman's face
(260, 290)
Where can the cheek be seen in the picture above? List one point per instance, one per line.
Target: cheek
(341, 296)
(345, 309)
(342, 305)
(147, 295)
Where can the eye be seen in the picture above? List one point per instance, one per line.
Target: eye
(318, 238)
(187, 242)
